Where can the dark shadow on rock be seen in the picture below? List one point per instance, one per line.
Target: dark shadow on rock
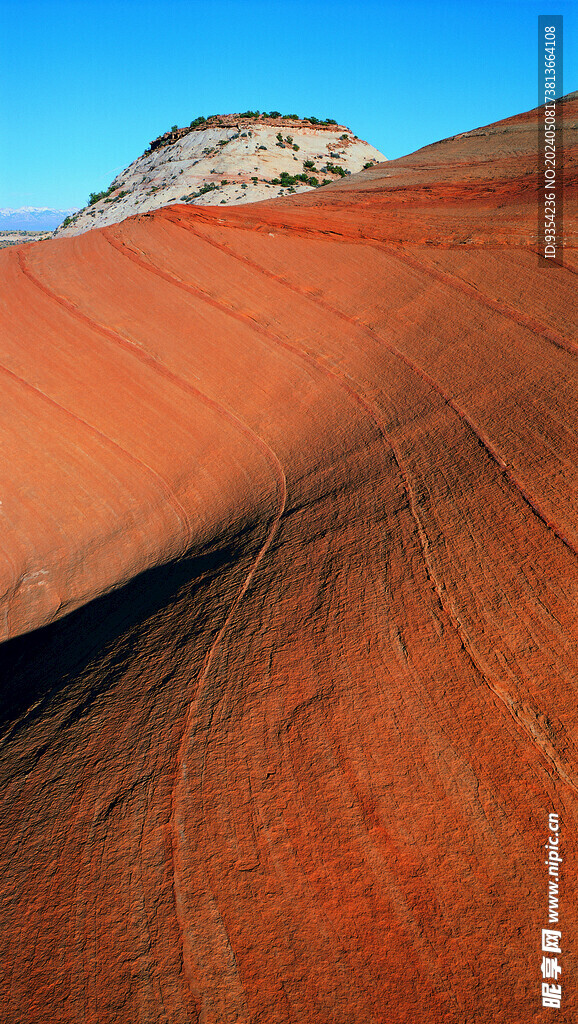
(36, 666)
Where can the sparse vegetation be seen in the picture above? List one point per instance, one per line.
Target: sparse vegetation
(174, 128)
(197, 121)
(310, 165)
(95, 197)
(370, 163)
(316, 120)
(337, 169)
(250, 113)
(200, 192)
(287, 180)
(66, 222)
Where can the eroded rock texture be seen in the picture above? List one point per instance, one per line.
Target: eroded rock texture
(289, 590)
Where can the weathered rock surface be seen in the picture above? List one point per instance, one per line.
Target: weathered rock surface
(229, 159)
(289, 599)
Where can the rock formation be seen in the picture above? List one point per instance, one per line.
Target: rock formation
(289, 589)
(228, 159)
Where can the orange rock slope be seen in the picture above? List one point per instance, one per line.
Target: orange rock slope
(289, 589)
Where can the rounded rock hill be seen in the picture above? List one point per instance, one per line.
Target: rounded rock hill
(225, 160)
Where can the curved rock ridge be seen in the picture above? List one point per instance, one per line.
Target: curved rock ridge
(227, 160)
(289, 589)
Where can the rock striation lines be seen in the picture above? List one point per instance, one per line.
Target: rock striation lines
(289, 579)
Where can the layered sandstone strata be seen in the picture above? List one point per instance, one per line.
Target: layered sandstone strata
(289, 590)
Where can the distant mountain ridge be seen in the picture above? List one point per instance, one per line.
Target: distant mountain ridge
(32, 218)
(229, 159)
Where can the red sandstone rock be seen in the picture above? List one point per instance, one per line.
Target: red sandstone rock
(289, 583)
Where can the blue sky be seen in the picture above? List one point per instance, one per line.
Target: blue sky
(85, 85)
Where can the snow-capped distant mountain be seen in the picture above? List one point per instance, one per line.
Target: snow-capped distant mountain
(32, 218)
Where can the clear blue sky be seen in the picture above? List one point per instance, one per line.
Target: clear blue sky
(85, 85)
